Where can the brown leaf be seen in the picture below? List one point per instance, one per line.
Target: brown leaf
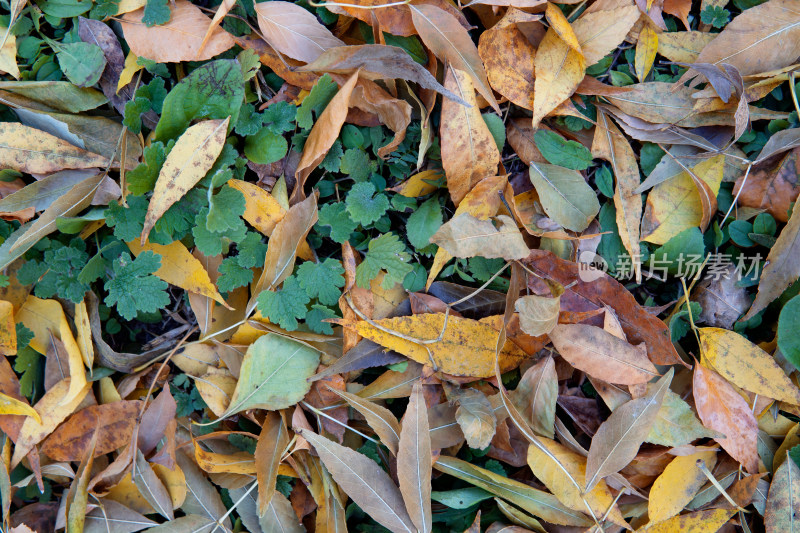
(444, 35)
(772, 186)
(469, 153)
(155, 420)
(536, 395)
(414, 461)
(394, 113)
(508, 56)
(380, 419)
(599, 32)
(294, 31)
(112, 423)
(639, 325)
(616, 442)
(177, 40)
(377, 62)
(364, 481)
(722, 409)
(763, 38)
(272, 442)
(782, 268)
(323, 135)
(602, 355)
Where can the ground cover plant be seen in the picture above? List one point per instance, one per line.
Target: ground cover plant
(410, 266)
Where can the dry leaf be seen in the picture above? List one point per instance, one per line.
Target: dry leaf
(467, 236)
(294, 31)
(177, 40)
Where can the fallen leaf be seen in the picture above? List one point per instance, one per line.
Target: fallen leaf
(746, 365)
(469, 153)
(600, 32)
(618, 439)
(565, 195)
(783, 502)
(450, 42)
(611, 145)
(414, 461)
(722, 409)
(678, 484)
(111, 425)
(364, 481)
(52, 411)
(466, 348)
(294, 31)
(536, 502)
(559, 63)
(31, 150)
(535, 396)
(602, 355)
(507, 54)
(646, 48)
(475, 417)
(323, 135)
(696, 522)
(678, 204)
(379, 418)
(467, 236)
(763, 38)
(177, 40)
(772, 187)
(192, 156)
(549, 471)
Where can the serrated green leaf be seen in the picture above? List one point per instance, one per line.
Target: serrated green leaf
(387, 253)
(363, 205)
(322, 281)
(225, 210)
(423, 223)
(285, 305)
(133, 288)
(335, 216)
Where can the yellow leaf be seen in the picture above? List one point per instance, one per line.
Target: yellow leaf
(8, 54)
(419, 184)
(131, 68)
(676, 205)
(216, 388)
(53, 410)
(27, 149)
(262, 210)
(469, 152)
(46, 317)
(8, 330)
(467, 347)
(126, 6)
(791, 440)
(559, 70)
(683, 46)
(12, 406)
(746, 365)
(192, 156)
(600, 32)
(560, 24)
(548, 472)
(646, 49)
(180, 268)
(235, 463)
(610, 144)
(678, 484)
(708, 521)
(84, 330)
(174, 481)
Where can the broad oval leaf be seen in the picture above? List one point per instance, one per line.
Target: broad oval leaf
(565, 195)
(467, 236)
(602, 355)
(274, 374)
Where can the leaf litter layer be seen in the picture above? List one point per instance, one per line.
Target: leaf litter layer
(510, 265)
